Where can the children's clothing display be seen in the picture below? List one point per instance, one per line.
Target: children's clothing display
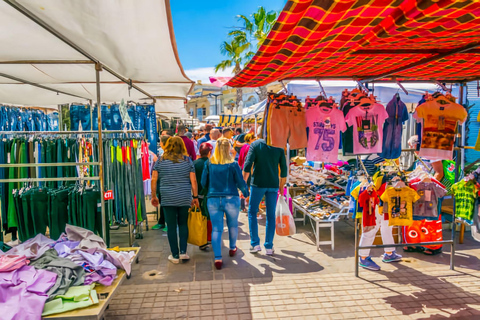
(392, 129)
(439, 116)
(367, 120)
(400, 205)
(427, 206)
(324, 125)
(368, 200)
(465, 193)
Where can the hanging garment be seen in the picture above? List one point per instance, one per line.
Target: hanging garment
(324, 126)
(367, 122)
(427, 204)
(465, 194)
(392, 129)
(439, 117)
(399, 203)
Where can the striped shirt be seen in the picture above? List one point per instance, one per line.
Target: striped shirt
(174, 181)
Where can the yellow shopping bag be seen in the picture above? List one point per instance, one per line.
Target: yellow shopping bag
(197, 227)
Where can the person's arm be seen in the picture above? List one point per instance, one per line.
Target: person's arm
(240, 182)
(283, 172)
(205, 173)
(193, 181)
(154, 201)
(249, 161)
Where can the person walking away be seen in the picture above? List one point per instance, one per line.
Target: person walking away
(215, 134)
(205, 153)
(239, 142)
(161, 219)
(182, 131)
(223, 177)
(189, 135)
(206, 137)
(176, 175)
(249, 138)
(265, 161)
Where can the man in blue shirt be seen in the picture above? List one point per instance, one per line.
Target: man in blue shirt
(206, 137)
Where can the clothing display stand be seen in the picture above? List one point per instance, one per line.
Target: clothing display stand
(131, 229)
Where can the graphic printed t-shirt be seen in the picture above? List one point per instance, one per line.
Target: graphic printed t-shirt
(440, 118)
(367, 125)
(400, 205)
(426, 206)
(465, 194)
(324, 126)
(369, 201)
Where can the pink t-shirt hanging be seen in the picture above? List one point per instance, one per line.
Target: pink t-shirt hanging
(367, 122)
(324, 126)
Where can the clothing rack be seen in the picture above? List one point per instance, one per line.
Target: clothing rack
(92, 178)
(458, 146)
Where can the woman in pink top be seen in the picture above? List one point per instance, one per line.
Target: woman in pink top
(249, 138)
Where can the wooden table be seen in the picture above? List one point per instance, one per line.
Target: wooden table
(105, 295)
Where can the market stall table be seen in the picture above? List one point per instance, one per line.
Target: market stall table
(105, 295)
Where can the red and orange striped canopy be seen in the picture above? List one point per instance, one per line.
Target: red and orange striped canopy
(369, 40)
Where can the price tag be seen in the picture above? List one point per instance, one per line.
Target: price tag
(108, 195)
(318, 197)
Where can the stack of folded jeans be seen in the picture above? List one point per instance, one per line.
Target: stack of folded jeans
(27, 119)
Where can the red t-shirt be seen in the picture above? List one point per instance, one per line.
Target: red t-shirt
(368, 200)
(190, 147)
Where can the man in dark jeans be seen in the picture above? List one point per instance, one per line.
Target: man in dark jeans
(266, 161)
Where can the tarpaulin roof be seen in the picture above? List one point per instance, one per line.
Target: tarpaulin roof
(369, 40)
(55, 44)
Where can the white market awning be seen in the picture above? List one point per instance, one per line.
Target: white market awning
(49, 44)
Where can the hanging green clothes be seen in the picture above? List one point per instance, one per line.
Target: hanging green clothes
(465, 194)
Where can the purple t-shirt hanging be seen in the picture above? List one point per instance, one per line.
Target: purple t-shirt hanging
(324, 133)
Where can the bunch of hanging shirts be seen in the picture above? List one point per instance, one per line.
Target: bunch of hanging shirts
(30, 208)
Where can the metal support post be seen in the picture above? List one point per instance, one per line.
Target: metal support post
(98, 68)
(91, 114)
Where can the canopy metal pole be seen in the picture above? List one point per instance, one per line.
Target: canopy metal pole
(98, 68)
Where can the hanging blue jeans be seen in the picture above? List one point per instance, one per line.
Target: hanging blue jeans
(140, 117)
(256, 195)
(79, 114)
(29, 123)
(52, 122)
(116, 117)
(14, 119)
(217, 208)
(151, 129)
(106, 117)
(3, 119)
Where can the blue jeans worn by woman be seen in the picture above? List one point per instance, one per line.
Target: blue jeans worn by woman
(217, 207)
(256, 195)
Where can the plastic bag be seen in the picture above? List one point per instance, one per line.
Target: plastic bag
(284, 223)
(197, 227)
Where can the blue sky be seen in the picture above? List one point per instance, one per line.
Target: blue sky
(201, 26)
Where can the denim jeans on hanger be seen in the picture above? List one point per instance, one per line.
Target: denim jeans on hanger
(3, 118)
(140, 117)
(22, 120)
(52, 121)
(116, 117)
(106, 117)
(29, 123)
(132, 114)
(13, 118)
(80, 114)
(151, 129)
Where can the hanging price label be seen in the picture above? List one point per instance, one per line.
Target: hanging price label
(108, 195)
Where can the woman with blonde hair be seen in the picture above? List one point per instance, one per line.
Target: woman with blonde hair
(178, 183)
(223, 177)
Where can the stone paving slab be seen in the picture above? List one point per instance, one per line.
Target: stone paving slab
(299, 282)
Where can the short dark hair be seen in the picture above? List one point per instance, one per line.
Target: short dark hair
(164, 138)
(208, 127)
(181, 128)
(225, 130)
(204, 149)
(238, 130)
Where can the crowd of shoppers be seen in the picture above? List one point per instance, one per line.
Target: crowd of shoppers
(207, 170)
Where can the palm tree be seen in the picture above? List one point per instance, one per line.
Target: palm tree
(253, 33)
(235, 51)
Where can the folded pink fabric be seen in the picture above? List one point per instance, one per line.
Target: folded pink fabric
(10, 262)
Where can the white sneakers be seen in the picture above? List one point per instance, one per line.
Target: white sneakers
(184, 256)
(257, 249)
(270, 252)
(173, 260)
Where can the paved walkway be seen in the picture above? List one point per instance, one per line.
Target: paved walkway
(298, 282)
